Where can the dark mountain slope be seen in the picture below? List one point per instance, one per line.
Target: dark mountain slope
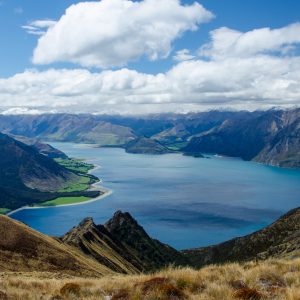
(152, 253)
(284, 149)
(280, 239)
(20, 162)
(272, 138)
(186, 126)
(27, 177)
(41, 147)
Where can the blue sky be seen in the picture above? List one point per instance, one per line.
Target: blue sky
(239, 17)
(17, 46)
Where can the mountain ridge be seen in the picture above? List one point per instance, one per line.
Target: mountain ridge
(270, 137)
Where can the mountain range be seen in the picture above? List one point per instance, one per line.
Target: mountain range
(270, 137)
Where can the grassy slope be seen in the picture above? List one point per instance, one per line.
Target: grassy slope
(4, 211)
(23, 249)
(80, 168)
(275, 279)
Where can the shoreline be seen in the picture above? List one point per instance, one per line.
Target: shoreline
(105, 193)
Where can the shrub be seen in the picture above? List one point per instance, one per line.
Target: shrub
(70, 289)
(3, 296)
(122, 294)
(169, 291)
(248, 294)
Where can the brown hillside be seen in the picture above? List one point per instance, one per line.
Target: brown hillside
(23, 249)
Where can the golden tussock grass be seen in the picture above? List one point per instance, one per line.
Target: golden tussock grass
(273, 279)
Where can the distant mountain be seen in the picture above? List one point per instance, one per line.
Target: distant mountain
(146, 146)
(41, 147)
(27, 177)
(67, 128)
(186, 126)
(280, 239)
(272, 137)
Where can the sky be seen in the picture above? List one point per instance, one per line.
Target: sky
(149, 56)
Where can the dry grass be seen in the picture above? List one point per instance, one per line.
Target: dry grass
(273, 279)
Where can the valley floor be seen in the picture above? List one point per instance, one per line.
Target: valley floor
(274, 279)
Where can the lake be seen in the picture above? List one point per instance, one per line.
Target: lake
(180, 200)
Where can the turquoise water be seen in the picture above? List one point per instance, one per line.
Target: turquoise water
(180, 200)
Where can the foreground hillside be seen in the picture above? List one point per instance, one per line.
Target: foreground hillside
(273, 279)
(23, 249)
(89, 260)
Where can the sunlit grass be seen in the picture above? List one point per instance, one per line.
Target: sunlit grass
(64, 201)
(4, 211)
(268, 280)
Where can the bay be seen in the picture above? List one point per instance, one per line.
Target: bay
(180, 200)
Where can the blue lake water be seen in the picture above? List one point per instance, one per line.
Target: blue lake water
(180, 200)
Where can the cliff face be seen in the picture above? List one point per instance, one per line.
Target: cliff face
(280, 239)
(284, 148)
(271, 138)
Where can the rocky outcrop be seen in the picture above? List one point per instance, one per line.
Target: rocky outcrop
(152, 253)
(96, 241)
(122, 245)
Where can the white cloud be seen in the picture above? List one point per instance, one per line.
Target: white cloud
(227, 77)
(38, 27)
(113, 32)
(226, 42)
(183, 55)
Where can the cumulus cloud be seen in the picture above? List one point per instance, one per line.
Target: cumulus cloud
(226, 42)
(183, 55)
(111, 33)
(263, 77)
